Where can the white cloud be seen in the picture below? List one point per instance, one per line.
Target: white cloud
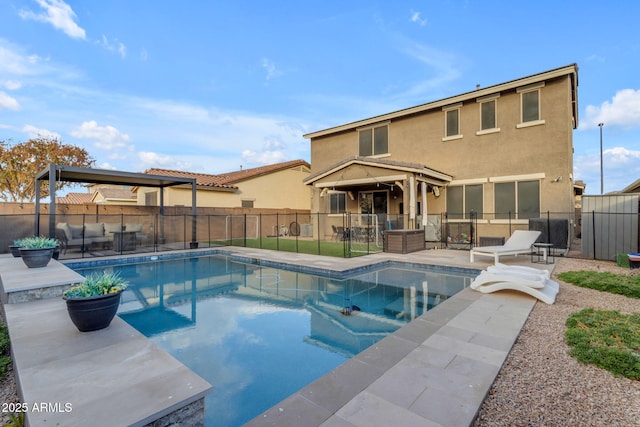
(12, 85)
(416, 17)
(620, 156)
(13, 62)
(442, 64)
(113, 46)
(8, 103)
(622, 111)
(34, 132)
(59, 14)
(105, 137)
(262, 158)
(271, 69)
(149, 159)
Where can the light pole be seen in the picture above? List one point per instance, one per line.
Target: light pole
(601, 170)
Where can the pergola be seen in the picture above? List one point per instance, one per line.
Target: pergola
(59, 173)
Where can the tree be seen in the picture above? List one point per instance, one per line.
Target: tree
(20, 163)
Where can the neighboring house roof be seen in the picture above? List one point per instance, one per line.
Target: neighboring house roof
(571, 70)
(244, 174)
(114, 194)
(634, 187)
(75, 198)
(432, 174)
(228, 179)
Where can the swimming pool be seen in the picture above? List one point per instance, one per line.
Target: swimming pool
(259, 333)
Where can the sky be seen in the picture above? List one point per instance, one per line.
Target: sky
(213, 86)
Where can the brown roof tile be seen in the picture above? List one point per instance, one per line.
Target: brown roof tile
(75, 198)
(226, 180)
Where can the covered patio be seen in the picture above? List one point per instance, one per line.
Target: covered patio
(56, 174)
(373, 187)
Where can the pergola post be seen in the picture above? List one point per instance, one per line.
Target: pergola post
(52, 201)
(194, 219)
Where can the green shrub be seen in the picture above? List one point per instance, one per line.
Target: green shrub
(97, 284)
(622, 260)
(37, 242)
(607, 339)
(608, 282)
(5, 358)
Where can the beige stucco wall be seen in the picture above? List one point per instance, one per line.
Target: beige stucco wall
(545, 149)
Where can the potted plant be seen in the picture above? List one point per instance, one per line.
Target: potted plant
(93, 303)
(37, 251)
(15, 248)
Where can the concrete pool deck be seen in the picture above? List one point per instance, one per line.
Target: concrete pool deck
(434, 371)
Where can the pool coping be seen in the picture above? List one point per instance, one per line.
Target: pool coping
(436, 370)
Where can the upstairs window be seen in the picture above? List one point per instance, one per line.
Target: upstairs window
(530, 113)
(374, 141)
(488, 115)
(531, 106)
(453, 122)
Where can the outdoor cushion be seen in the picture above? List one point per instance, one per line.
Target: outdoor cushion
(66, 229)
(94, 230)
(133, 227)
(111, 227)
(76, 231)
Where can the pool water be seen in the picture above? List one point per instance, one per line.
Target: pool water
(259, 334)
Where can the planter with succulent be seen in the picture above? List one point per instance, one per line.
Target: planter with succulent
(93, 303)
(37, 251)
(15, 248)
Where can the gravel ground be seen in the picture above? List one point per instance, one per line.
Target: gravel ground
(8, 392)
(540, 384)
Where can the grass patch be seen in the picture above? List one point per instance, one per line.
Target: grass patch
(607, 339)
(328, 248)
(5, 357)
(628, 286)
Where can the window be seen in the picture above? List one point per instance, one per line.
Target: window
(530, 106)
(374, 141)
(247, 203)
(337, 203)
(517, 200)
(151, 198)
(530, 114)
(453, 122)
(488, 115)
(463, 199)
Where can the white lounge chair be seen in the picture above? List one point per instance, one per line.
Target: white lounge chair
(536, 285)
(504, 268)
(519, 243)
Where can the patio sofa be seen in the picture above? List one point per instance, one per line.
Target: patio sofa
(98, 233)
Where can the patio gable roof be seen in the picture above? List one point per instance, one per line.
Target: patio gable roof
(396, 168)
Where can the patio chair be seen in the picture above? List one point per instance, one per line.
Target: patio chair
(519, 243)
(334, 230)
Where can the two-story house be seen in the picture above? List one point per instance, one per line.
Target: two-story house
(504, 152)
